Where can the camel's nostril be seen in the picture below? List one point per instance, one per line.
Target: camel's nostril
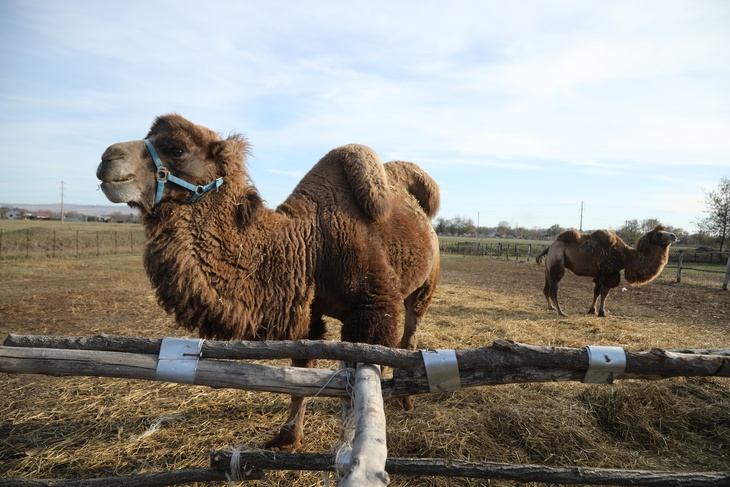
(112, 153)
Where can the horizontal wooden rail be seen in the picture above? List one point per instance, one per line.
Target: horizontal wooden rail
(502, 363)
(267, 460)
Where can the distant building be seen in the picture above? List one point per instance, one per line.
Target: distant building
(15, 214)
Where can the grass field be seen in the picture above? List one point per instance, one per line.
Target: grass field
(21, 239)
(82, 427)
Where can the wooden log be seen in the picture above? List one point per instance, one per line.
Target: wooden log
(267, 460)
(238, 350)
(369, 448)
(212, 373)
(504, 362)
(503, 353)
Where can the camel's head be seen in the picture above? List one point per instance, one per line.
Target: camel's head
(178, 162)
(658, 236)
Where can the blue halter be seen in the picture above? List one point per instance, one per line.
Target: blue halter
(163, 176)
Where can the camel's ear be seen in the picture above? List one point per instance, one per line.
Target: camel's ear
(233, 149)
(220, 149)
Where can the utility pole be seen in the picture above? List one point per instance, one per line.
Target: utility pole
(61, 201)
(581, 216)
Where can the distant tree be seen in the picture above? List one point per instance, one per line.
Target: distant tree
(503, 228)
(455, 226)
(649, 224)
(554, 230)
(717, 206)
(464, 226)
(630, 231)
(440, 226)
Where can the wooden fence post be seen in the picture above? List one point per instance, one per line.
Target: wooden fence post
(679, 265)
(369, 449)
(727, 274)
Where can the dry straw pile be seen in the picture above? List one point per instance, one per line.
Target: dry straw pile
(94, 427)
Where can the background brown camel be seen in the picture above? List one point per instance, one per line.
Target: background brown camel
(602, 255)
(353, 241)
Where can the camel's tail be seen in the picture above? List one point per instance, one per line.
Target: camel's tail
(417, 182)
(538, 258)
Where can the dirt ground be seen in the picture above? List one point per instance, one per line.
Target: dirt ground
(85, 427)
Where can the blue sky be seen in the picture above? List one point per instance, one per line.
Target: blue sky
(520, 110)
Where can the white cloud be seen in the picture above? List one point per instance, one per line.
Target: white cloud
(590, 89)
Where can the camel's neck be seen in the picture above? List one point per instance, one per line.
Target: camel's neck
(643, 267)
(212, 264)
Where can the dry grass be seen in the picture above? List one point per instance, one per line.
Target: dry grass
(93, 427)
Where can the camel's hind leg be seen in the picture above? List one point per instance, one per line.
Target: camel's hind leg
(596, 294)
(546, 290)
(292, 431)
(553, 275)
(416, 305)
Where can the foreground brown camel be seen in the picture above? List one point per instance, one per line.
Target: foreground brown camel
(602, 255)
(353, 241)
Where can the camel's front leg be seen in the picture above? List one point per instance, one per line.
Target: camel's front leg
(604, 283)
(602, 310)
(292, 431)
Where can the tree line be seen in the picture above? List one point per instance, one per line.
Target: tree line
(714, 229)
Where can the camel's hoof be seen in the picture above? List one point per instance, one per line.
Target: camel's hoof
(406, 403)
(284, 442)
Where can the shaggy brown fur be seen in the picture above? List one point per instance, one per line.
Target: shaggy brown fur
(602, 255)
(353, 241)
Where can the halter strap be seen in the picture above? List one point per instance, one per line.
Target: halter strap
(163, 175)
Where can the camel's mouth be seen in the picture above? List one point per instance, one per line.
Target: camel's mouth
(120, 190)
(121, 180)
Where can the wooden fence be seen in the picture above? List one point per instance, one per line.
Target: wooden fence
(217, 364)
(494, 249)
(680, 266)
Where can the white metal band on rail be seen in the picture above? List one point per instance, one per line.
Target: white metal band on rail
(178, 359)
(604, 364)
(442, 370)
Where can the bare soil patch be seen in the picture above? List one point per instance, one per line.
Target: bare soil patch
(93, 427)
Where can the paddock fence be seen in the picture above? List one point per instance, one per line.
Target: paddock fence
(44, 242)
(362, 458)
(706, 260)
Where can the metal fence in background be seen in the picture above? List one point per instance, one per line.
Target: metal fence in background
(45, 242)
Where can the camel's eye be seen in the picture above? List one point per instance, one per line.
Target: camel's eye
(177, 152)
